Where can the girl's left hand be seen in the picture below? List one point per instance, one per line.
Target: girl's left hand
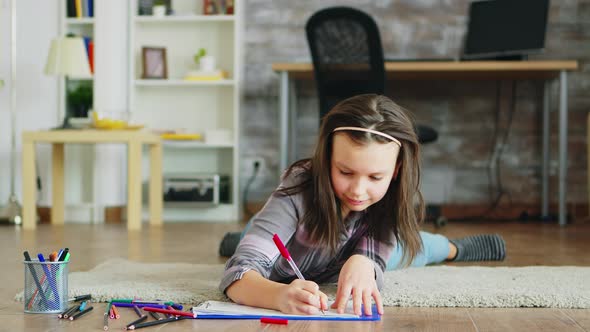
(357, 278)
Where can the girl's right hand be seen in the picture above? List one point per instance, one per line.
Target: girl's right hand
(301, 297)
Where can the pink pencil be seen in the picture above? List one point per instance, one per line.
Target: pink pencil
(172, 312)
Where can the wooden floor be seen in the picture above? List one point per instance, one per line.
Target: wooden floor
(528, 244)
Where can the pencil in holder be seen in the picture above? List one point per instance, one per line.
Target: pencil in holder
(46, 286)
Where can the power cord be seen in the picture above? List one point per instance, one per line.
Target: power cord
(495, 158)
(255, 170)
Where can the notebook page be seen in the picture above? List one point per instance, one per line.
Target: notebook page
(230, 308)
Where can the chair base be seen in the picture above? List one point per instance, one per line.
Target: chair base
(434, 215)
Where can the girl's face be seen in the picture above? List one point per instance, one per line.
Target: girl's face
(361, 174)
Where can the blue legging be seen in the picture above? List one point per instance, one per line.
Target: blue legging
(435, 250)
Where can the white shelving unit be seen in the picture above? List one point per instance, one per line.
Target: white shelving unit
(194, 106)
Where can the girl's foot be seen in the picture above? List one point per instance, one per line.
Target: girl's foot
(485, 247)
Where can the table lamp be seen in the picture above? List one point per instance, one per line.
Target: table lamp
(67, 57)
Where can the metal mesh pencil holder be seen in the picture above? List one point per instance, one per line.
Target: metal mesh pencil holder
(46, 286)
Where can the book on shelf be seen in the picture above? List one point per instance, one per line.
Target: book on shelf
(71, 8)
(78, 4)
(199, 75)
(80, 8)
(89, 43)
(218, 7)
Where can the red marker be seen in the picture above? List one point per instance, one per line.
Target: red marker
(270, 320)
(285, 253)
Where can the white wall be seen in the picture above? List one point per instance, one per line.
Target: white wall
(37, 108)
(110, 95)
(36, 94)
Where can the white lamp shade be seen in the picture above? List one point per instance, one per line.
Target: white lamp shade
(67, 56)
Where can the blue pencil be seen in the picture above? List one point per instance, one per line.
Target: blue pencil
(50, 280)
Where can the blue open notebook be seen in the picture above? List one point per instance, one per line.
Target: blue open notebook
(230, 310)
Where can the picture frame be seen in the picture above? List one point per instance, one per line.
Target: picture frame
(154, 62)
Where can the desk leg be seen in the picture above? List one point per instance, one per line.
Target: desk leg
(545, 165)
(29, 177)
(283, 121)
(57, 182)
(562, 147)
(292, 110)
(134, 185)
(156, 184)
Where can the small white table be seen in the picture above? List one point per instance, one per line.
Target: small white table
(134, 140)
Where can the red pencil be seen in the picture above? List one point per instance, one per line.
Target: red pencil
(271, 320)
(172, 312)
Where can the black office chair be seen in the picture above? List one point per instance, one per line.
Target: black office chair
(348, 58)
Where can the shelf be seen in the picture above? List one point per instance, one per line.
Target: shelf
(81, 78)
(185, 19)
(80, 21)
(195, 144)
(178, 82)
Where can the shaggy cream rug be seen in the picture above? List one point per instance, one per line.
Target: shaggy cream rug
(435, 286)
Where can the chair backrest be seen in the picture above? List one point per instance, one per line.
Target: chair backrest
(347, 55)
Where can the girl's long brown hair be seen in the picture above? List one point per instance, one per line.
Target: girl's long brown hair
(400, 211)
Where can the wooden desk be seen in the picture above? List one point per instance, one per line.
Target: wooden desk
(134, 141)
(452, 70)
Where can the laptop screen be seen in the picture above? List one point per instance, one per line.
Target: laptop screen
(505, 27)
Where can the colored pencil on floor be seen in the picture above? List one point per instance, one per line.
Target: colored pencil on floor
(71, 311)
(135, 322)
(106, 316)
(156, 315)
(136, 309)
(67, 310)
(173, 312)
(80, 298)
(140, 305)
(116, 312)
(81, 313)
(154, 322)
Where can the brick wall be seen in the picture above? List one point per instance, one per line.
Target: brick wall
(456, 169)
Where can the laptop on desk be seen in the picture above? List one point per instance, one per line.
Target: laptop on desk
(505, 30)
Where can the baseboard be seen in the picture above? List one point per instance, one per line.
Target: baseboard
(83, 214)
(527, 212)
(114, 214)
(578, 213)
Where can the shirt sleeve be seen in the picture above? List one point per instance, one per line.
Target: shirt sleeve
(376, 251)
(257, 250)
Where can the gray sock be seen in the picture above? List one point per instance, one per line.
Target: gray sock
(485, 247)
(229, 243)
